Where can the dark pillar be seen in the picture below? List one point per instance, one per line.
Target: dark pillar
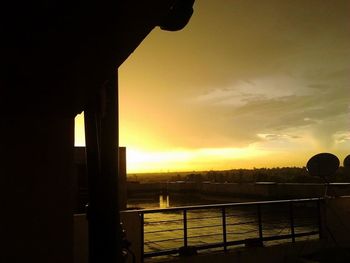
(36, 220)
(101, 135)
(122, 179)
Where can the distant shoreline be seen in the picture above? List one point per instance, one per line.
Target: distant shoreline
(251, 191)
(277, 175)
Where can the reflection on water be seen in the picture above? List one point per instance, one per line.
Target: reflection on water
(174, 200)
(164, 201)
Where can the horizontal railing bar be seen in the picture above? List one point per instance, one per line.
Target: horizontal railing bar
(163, 240)
(241, 223)
(163, 230)
(208, 246)
(280, 226)
(244, 232)
(229, 234)
(215, 206)
(228, 224)
(206, 235)
(221, 244)
(160, 253)
(163, 221)
(205, 226)
(240, 215)
(277, 226)
(174, 251)
(202, 218)
(272, 238)
(200, 227)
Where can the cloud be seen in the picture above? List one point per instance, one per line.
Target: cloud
(341, 137)
(241, 93)
(242, 116)
(243, 69)
(275, 137)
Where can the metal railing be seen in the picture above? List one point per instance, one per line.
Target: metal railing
(192, 229)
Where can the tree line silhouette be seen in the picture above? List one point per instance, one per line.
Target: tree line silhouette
(277, 174)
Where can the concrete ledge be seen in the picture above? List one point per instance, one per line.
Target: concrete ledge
(286, 253)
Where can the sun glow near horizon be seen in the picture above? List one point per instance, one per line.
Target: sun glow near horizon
(141, 160)
(188, 159)
(271, 151)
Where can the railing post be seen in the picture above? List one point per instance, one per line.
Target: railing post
(223, 214)
(319, 217)
(260, 223)
(142, 222)
(185, 227)
(291, 214)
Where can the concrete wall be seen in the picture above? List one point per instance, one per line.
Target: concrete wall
(36, 160)
(81, 239)
(286, 253)
(336, 221)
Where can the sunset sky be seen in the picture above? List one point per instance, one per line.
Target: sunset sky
(246, 84)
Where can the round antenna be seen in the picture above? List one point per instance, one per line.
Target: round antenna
(323, 165)
(346, 162)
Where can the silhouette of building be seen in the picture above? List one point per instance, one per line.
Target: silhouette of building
(55, 58)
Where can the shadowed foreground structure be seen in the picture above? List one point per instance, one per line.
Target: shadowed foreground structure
(55, 58)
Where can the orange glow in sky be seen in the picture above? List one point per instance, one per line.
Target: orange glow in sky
(246, 84)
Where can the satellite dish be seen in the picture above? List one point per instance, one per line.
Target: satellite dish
(346, 162)
(178, 15)
(323, 165)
